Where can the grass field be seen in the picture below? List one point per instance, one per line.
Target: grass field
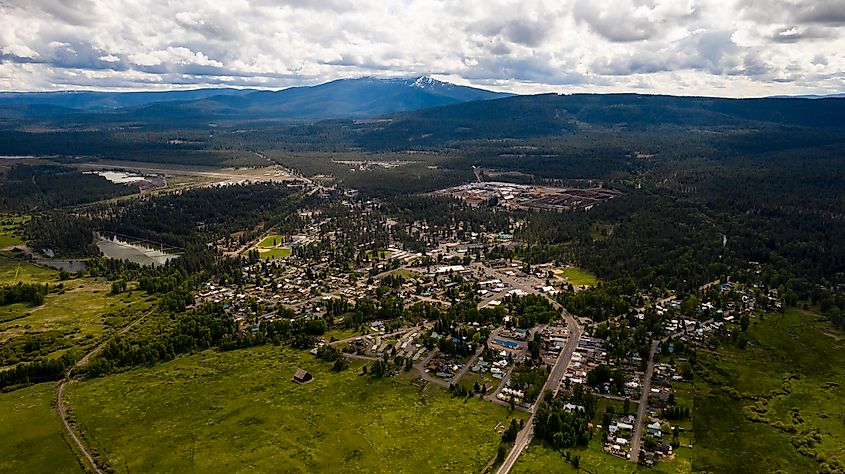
(238, 411)
(10, 234)
(578, 276)
(798, 342)
(271, 247)
(379, 254)
(337, 334)
(271, 241)
(14, 271)
(82, 312)
(32, 433)
(269, 254)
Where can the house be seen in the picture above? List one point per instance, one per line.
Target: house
(302, 376)
(654, 430)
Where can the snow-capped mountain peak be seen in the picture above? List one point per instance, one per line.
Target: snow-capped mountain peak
(426, 81)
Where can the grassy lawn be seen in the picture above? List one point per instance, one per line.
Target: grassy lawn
(798, 342)
(271, 241)
(471, 378)
(32, 433)
(274, 253)
(271, 248)
(539, 457)
(341, 333)
(379, 254)
(238, 411)
(578, 276)
(684, 396)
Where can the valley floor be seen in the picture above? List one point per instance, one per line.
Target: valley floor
(239, 411)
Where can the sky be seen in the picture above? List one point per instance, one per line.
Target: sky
(734, 48)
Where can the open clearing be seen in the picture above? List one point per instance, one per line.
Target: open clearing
(577, 276)
(32, 433)
(271, 241)
(270, 254)
(15, 271)
(792, 343)
(539, 457)
(10, 233)
(83, 311)
(238, 411)
(272, 247)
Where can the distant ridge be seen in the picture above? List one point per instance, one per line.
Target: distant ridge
(343, 98)
(553, 114)
(811, 96)
(93, 100)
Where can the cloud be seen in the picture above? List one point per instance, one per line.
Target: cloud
(825, 12)
(744, 47)
(794, 34)
(531, 32)
(618, 22)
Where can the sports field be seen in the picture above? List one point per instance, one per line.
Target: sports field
(272, 247)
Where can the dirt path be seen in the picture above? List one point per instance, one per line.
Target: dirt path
(60, 392)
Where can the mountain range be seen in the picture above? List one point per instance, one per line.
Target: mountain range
(416, 111)
(343, 98)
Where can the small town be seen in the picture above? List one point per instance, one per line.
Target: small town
(422, 236)
(496, 354)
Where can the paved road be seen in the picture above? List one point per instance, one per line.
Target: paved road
(524, 437)
(60, 392)
(420, 366)
(643, 405)
(646, 390)
(457, 378)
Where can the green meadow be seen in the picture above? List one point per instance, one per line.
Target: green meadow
(10, 232)
(83, 310)
(31, 433)
(239, 411)
(776, 406)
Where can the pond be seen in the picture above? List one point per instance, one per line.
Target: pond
(119, 177)
(118, 249)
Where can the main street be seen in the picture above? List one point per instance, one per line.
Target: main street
(642, 409)
(524, 437)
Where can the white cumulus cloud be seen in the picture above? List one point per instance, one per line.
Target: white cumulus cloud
(718, 47)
